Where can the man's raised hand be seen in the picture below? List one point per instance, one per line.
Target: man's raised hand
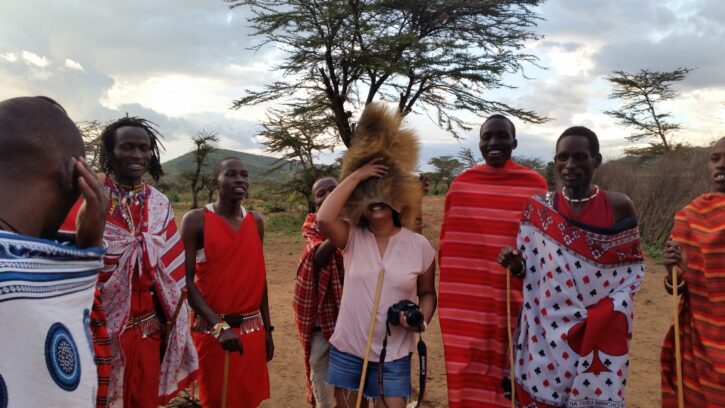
(91, 219)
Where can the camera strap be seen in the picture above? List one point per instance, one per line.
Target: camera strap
(422, 364)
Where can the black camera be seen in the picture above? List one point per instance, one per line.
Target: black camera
(410, 310)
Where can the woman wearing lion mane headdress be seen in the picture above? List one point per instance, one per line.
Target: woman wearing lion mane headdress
(379, 198)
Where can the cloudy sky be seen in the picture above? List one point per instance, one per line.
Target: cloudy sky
(180, 63)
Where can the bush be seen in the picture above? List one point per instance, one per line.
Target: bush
(658, 187)
(271, 208)
(288, 223)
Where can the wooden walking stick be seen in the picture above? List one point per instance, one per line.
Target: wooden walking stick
(678, 356)
(510, 336)
(373, 319)
(225, 382)
(170, 324)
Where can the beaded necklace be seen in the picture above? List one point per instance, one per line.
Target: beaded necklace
(580, 200)
(123, 198)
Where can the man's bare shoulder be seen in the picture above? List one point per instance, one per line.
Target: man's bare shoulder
(193, 218)
(621, 204)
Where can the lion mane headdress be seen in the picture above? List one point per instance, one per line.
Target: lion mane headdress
(379, 134)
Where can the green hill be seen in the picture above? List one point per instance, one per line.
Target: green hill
(257, 165)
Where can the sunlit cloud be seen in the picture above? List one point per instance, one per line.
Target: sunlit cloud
(35, 59)
(70, 64)
(9, 56)
(174, 94)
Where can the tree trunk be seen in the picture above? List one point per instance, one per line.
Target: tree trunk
(194, 196)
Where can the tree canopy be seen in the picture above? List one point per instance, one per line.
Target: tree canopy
(299, 137)
(446, 169)
(641, 93)
(438, 57)
(203, 142)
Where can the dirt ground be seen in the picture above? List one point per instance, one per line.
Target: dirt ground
(652, 318)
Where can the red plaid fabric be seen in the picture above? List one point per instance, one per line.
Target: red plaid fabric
(316, 304)
(101, 350)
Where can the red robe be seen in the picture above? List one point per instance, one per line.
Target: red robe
(482, 212)
(232, 280)
(700, 230)
(153, 256)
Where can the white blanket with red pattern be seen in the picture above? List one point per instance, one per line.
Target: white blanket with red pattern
(576, 323)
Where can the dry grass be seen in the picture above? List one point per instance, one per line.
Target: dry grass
(658, 188)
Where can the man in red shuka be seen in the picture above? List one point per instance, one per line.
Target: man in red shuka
(227, 284)
(482, 211)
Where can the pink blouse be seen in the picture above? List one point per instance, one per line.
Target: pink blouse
(407, 256)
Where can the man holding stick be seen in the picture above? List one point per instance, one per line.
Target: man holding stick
(579, 253)
(698, 249)
(482, 211)
(227, 286)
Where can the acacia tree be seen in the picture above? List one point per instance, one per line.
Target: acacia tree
(203, 142)
(299, 133)
(91, 133)
(439, 57)
(467, 156)
(446, 168)
(641, 93)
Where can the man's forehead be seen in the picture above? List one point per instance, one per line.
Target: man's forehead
(233, 163)
(719, 145)
(135, 134)
(496, 124)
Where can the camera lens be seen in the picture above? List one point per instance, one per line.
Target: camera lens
(414, 318)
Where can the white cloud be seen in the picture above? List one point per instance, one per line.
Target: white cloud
(70, 64)
(577, 62)
(183, 69)
(174, 94)
(34, 59)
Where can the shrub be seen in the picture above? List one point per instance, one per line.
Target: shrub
(659, 188)
(287, 223)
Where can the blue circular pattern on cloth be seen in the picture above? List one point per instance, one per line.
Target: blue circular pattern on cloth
(61, 357)
(3, 393)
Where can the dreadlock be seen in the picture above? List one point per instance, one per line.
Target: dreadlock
(108, 141)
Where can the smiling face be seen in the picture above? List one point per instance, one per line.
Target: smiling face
(575, 163)
(378, 212)
(716, 165)
(496, 142)
(233, 180)
(131, 154)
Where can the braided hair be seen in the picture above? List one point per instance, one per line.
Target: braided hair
(108, 142)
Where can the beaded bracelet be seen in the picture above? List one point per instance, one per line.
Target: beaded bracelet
(218, 328)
